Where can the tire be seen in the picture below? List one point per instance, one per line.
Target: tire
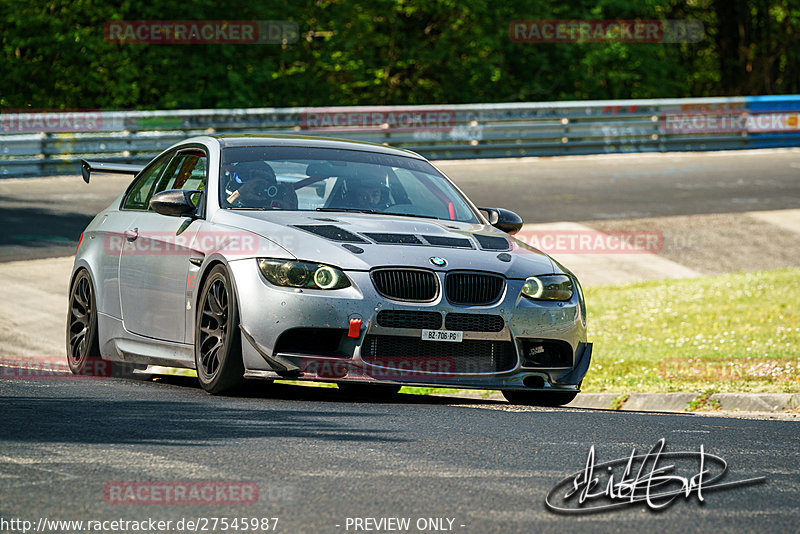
(540, 398)
(217, 339)
(83, 342)
(368, 391)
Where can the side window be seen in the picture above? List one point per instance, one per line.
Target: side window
(187, 171)
(139, 196)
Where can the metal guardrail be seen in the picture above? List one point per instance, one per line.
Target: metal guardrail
(50, 143)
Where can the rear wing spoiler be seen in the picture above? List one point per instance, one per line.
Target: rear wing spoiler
(88, 167)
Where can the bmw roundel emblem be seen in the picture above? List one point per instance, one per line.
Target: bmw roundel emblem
(439, 262)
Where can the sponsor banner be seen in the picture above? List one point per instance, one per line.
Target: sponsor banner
(773, 122)
(592, 241)
(692, 123)
(407, 119)
(188, 32)
(731, 105)
(61, 120)
(181, 493)
(729, 122)
(605, 31)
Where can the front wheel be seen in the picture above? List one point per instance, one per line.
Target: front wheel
(218, 342)
(540, 398)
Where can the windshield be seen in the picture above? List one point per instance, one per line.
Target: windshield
(327, 179)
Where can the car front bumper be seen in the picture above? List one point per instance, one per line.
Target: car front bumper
(381, 354)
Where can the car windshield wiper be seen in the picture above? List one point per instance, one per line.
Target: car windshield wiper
(410, 215)
(376, 212)
(350, 210)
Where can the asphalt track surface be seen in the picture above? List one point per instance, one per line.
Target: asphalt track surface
(318, 459)
(44, 217)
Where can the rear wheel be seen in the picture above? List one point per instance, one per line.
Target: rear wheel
(368, 391)
(218, 342)
(83, 343)
(540, 398)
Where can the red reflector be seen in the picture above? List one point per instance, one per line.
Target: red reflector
(355, 328)
(79, 242)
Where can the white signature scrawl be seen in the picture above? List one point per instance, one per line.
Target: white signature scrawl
(597, 487)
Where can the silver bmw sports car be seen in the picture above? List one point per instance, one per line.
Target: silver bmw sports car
(317, 259)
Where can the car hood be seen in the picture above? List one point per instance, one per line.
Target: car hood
(363, 241)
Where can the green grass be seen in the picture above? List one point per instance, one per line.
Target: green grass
(734, 332)
(704, 402)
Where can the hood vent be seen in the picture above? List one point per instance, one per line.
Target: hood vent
(394, 239)
(334, 233)
(489, 242)
(450, 242)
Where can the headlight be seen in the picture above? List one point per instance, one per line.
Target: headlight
(550, 287)
(290, 273)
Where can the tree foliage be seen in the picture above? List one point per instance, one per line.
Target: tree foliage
(54, 54)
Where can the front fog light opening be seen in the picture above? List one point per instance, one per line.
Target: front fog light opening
(551, 353)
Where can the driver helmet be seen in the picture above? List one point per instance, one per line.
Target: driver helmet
(245, 171)
(367, 187)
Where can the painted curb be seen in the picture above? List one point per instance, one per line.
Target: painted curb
(669, 402)
(659, 402)
(758, 402)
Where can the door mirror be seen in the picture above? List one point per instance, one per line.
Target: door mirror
(174, 203)
(503, 219)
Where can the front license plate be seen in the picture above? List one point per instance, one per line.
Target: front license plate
(442, 335)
